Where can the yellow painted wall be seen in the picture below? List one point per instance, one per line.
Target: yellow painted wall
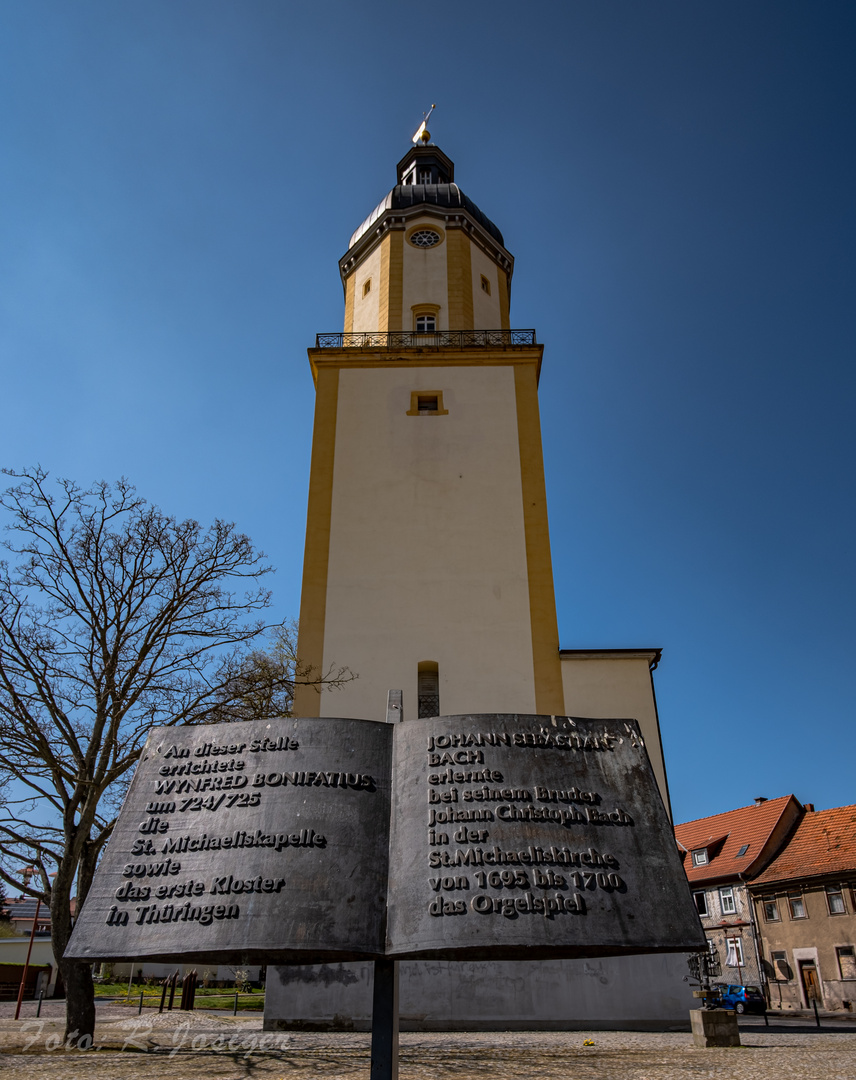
(423, 277)
(486, 311)
(367, 307)
(427, 557)
(606, 687)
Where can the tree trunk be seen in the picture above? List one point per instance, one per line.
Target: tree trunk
(79, 1002)
(76, 974)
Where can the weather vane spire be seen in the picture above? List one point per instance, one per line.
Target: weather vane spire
(422, 132)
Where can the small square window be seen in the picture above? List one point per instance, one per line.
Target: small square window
(835, 900)
(700, 902)
(796, 906)
(742, 851)
(367, 286)
(781, 971)
(427, 403)
(771, 909)
(700, 857)
(726, 901)
(485, 284)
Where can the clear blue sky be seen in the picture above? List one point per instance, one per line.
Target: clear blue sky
(676, 182)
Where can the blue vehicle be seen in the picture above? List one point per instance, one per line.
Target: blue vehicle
(743, 999)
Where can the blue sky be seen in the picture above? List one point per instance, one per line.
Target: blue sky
(675, 181)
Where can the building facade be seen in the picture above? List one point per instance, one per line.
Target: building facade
(805, 908)
(428, 571)
(775, 887)
(721, 854)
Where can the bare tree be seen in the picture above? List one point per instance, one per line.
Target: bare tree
(264, 684)
(114, 618)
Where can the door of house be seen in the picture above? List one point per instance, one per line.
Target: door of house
(810, 982)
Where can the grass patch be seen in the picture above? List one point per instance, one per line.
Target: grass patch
(249, 1001)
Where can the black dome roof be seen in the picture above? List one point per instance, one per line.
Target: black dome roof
(448, 196)
(443, 191)
(426, 163)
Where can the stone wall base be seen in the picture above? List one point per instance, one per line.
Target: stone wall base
(714, 1027)
(633, 993)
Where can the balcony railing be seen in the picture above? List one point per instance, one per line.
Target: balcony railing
(437, 339)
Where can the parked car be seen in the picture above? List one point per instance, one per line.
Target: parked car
(743, 999)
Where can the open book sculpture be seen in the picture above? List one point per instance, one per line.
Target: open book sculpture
(455, 837)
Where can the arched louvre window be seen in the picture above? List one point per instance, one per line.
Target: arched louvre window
(428, 689)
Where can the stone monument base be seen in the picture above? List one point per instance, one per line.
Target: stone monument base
(635, 993)
(714, 1027)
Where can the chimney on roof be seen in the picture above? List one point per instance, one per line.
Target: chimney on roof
(760, 799)
(809, 807)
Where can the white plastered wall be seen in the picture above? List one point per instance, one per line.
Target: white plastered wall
(366, 308)
(603, 687)
(427, 555)
(486, 314)
(425, 280)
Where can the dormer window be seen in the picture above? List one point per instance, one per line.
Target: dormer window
(699, 857)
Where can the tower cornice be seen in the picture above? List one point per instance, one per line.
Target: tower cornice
(397, 220)
(426, 356)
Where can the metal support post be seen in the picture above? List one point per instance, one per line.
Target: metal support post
(27, 961)
(385, 1021)
(394, 706)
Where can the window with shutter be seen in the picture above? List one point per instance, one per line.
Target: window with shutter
(428, 689)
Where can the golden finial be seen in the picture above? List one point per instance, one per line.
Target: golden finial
(423, 135)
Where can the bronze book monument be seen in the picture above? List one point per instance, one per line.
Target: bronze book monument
(454, 837)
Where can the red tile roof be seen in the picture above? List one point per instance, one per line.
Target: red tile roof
(725, 834)
(823, 843)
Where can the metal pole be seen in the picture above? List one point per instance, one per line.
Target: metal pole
(235, 1010)
(394, 706)
(385, 1021)
(816, 1017)
(27, 961)
(141, 1004)
(39, 1008)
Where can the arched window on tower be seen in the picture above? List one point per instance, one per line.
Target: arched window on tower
(428, 688)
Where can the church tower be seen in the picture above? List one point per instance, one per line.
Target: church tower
(428, 570)
(427, 565)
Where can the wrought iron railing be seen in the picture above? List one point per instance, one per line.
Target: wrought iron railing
(436, 339)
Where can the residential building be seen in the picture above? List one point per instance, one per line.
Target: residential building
(22, 910)
(805, 909)
(721, 855)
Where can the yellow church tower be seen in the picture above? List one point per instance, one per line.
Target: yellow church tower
(427, 565)
(428, 571)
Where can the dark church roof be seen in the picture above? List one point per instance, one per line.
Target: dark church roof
(406, 196)
(442, 191)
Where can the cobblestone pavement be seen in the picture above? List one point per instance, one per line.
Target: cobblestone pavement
(177, 1047)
